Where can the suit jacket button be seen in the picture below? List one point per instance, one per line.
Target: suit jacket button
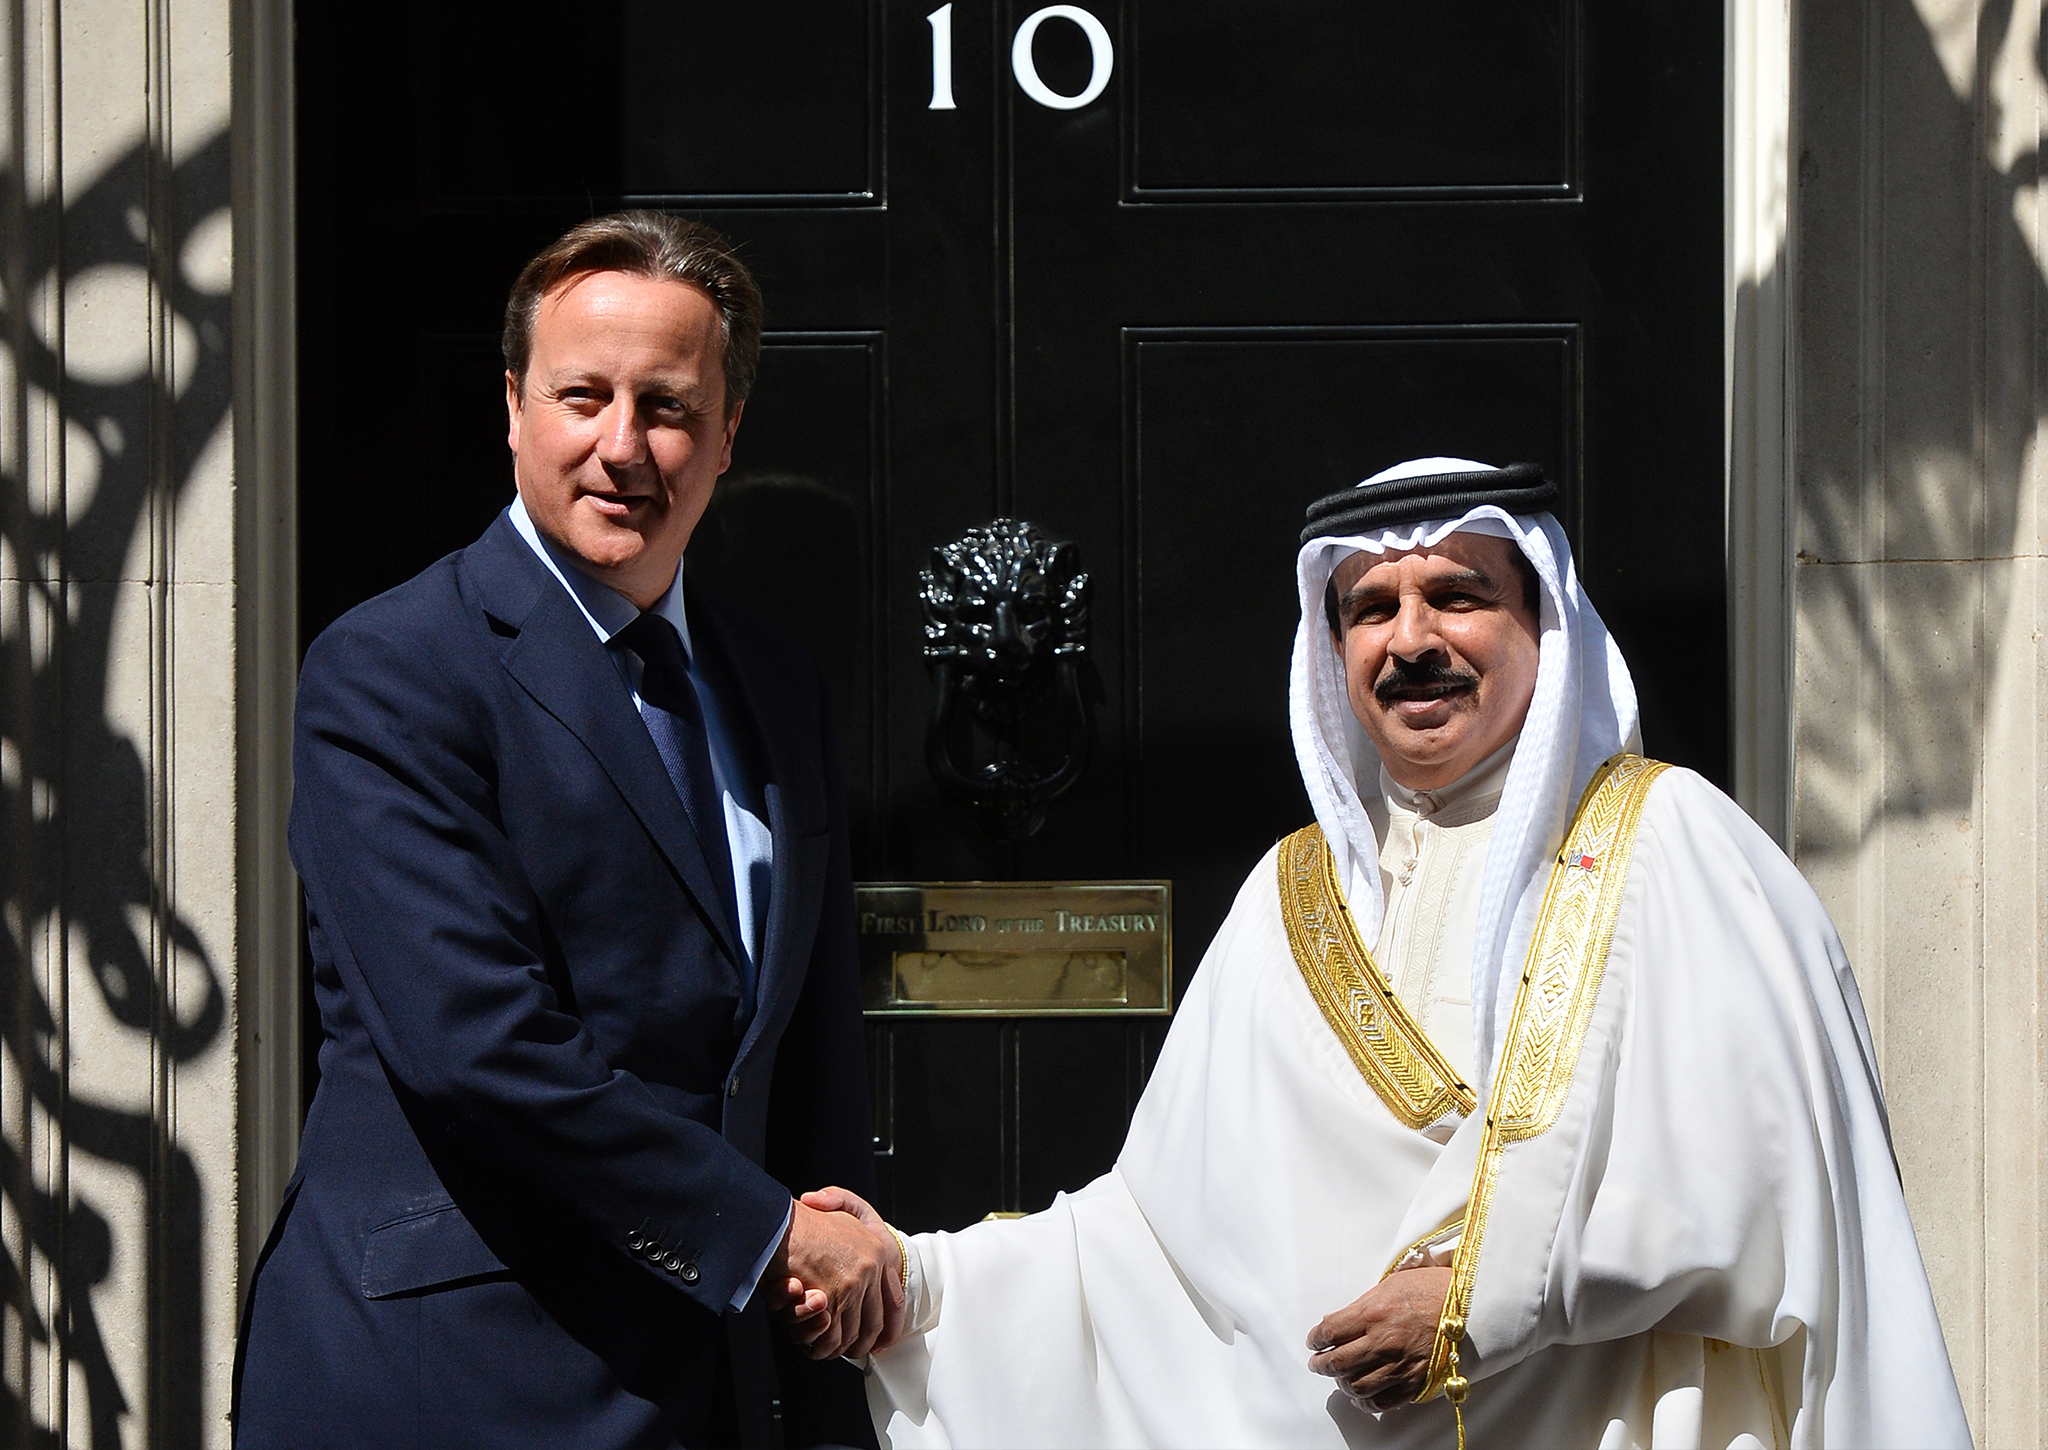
(636, 1243)
(732, 1089)
(689, 1272)
(672, 1263)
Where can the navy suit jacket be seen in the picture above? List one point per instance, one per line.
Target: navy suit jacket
(551, 1137)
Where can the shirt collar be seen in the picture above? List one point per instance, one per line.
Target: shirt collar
(1488, 777)
(606, 610)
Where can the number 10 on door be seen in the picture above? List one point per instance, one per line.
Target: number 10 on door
(1101, 58)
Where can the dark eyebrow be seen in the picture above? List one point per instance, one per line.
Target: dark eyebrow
(1358, 593)
(1466, 579)
(1463, 579)
(694, 396)
(667, 387)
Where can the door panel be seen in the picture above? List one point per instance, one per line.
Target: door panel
(1310, 100)
(647, 99)
(1290, 242)
(793, 537)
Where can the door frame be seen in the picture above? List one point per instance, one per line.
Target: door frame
(263, 166)
(1760, 371)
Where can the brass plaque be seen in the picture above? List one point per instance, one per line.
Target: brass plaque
(1015, 948)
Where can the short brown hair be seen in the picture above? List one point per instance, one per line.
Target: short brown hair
(645, 244)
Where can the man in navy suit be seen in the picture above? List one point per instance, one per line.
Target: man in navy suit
(579, 899)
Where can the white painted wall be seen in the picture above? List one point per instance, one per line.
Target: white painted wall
(1920, 743)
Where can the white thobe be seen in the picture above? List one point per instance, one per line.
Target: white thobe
(1709, 1247)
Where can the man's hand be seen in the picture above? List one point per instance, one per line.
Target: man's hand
(1377, 1347)
(842, 1279)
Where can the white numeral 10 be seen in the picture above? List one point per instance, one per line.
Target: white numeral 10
(1101, 58)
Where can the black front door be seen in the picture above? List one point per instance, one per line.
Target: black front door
(1152, 278)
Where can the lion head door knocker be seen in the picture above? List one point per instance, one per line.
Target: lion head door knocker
(1006, 627)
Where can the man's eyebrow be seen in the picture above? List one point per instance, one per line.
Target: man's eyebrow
(680, 387)
(1467, 578)
(1362, 591)
(695, 392)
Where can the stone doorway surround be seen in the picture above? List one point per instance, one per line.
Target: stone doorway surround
(148, 917)
(1919, 723)
(1885, 298)
(1885, 288)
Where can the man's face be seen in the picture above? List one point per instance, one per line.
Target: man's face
(1439, 654)
(622, 428)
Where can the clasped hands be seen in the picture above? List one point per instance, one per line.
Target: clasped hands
(841, 1273)
(841, 1269)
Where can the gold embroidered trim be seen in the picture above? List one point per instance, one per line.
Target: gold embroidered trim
(1389, 1047)
(1553, 1006)
(1423, 1242)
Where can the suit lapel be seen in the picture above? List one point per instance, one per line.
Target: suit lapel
(796, 882)
(797, 874)
(557, 659)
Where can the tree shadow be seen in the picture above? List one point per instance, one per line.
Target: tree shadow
(1888, 526)
(83, 857)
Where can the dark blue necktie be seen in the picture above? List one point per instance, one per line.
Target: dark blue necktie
(675, 718)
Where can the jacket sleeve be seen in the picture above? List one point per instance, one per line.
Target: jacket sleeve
(436, 935)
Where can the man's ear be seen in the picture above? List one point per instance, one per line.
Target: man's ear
(512, 413)
(732, 427)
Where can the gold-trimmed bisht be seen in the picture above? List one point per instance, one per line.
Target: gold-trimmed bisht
(1547, 1029)
(1388, 1045)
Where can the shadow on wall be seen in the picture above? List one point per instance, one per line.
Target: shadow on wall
(82, 861)
(1918, 413)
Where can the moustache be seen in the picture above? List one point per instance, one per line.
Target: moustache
(1411, 679)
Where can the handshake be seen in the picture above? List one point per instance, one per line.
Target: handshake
(840, 1272)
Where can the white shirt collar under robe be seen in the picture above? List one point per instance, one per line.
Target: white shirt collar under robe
(1432, 863)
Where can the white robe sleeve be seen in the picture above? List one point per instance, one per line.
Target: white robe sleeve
(1723, 1166)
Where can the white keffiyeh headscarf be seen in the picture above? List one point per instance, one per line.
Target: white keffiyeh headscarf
(1584, 711)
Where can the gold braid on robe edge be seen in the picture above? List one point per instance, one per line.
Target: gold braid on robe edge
(1547, 1029)
(1389, 1047)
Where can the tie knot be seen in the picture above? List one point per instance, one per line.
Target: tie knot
(664, 664)
(655, 640)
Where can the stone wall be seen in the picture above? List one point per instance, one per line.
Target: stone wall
(1920, 736)
(127, 771)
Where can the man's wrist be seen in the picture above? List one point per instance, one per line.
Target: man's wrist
(775, 1257)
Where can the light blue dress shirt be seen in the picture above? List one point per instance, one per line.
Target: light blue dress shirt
(746, 829)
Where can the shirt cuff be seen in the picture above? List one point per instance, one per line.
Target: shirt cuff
(921, 1307)
(748, 1285)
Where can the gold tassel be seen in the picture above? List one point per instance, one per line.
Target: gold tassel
(1456, 1386)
